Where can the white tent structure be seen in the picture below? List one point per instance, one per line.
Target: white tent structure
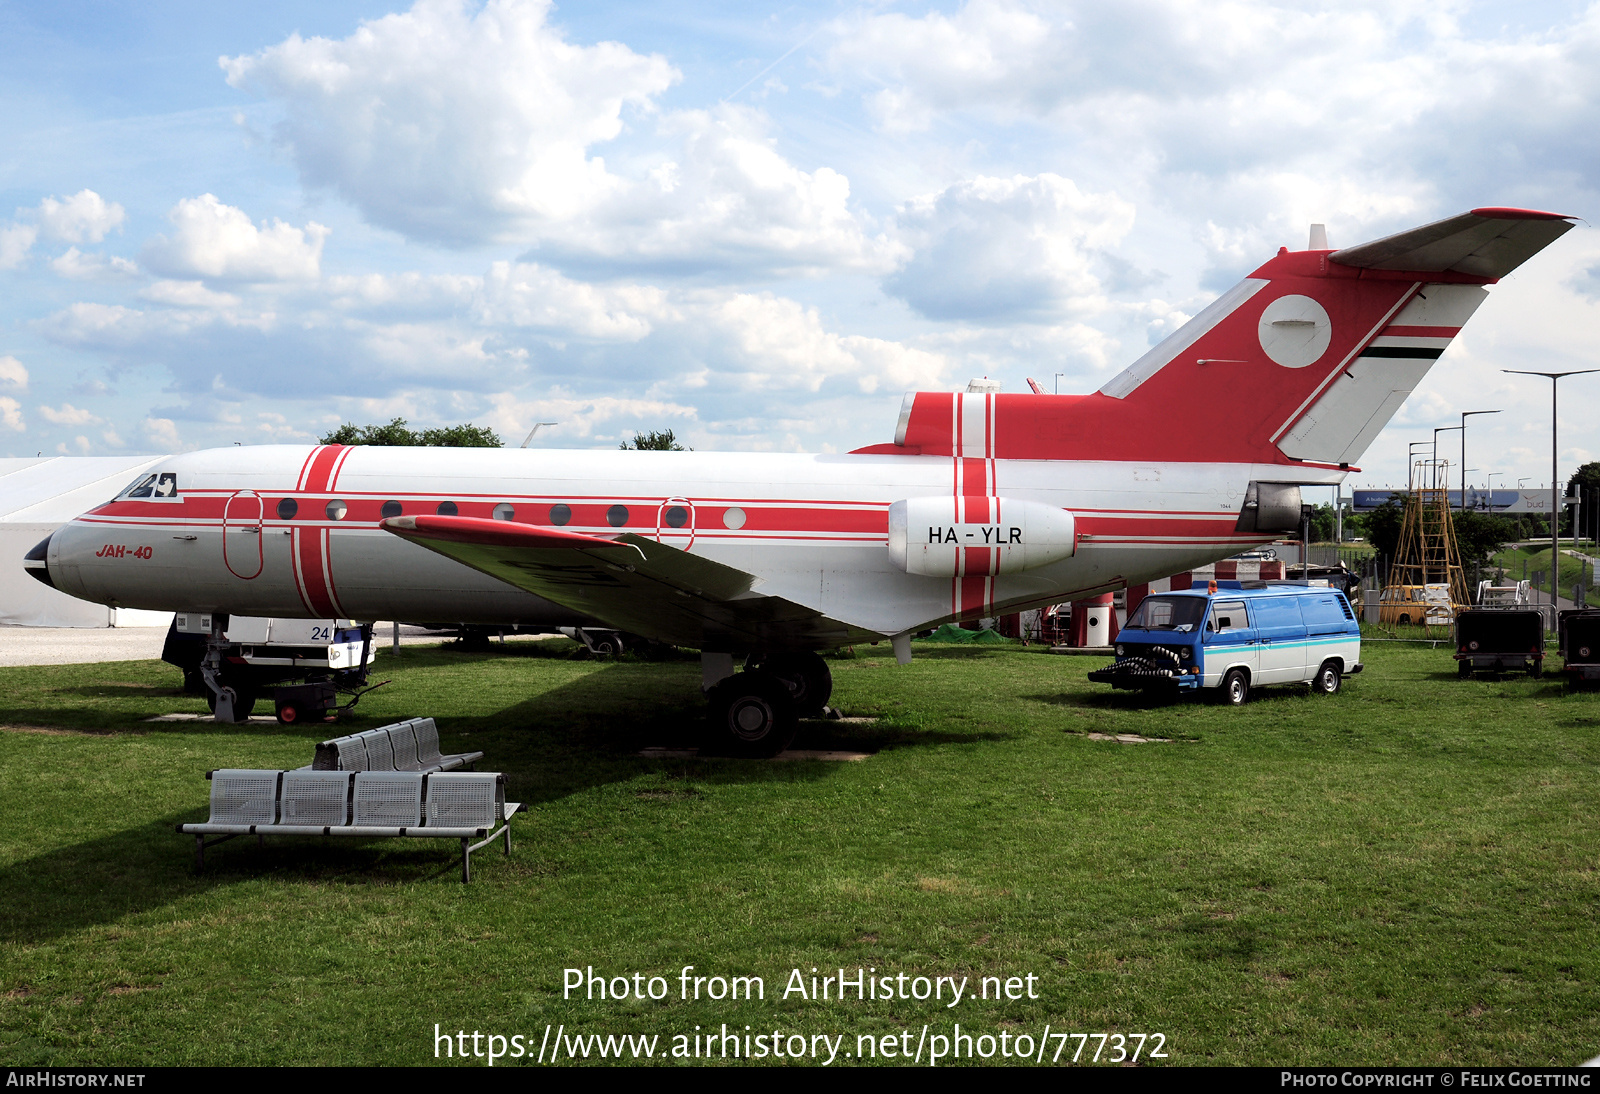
(39, 495)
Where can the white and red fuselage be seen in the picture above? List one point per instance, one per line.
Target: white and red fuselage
(983, 504)
(813, 528)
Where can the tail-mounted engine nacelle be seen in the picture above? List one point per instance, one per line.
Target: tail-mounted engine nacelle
(953, 536)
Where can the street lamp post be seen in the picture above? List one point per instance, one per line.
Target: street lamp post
(1464, 416)
(1436, 432)
(1555, 528)
(1411, 451)
(1488, 486)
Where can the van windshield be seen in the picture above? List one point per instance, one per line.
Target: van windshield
(1168, 613)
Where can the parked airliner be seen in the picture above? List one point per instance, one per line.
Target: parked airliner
(982, 503)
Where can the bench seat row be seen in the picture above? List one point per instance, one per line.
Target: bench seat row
(439, 805)
(405, 746)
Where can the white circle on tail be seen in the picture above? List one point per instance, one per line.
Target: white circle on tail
(1295, 331)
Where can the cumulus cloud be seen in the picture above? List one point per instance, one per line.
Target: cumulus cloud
(727, 200)
(68, 415)
(163, 432)
(525, 295)
(213, 240)
(16, 240)
(85, 217)
(455, 124)
(12, 374)
(466, 126)
(75, 265)
(410, 293)
(1260, 115)
(187, 294)
(993, 248)
(778, 344)
(11, 414)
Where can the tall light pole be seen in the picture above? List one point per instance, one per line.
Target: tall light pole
(1411, 451)
(1436, 432)
(1464, 416)
(1488, 486)
(1555, 529)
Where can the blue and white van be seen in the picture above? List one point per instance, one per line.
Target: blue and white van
(1232, 638)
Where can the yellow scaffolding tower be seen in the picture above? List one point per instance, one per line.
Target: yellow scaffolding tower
(1427, 554)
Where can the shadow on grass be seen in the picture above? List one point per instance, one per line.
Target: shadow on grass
(581, 735)
(1226, 941)
(956, 651)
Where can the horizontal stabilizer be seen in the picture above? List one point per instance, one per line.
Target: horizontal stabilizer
(1483, 243)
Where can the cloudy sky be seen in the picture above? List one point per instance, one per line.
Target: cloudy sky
(754, 226)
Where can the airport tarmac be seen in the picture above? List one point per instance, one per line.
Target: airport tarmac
(88, 645)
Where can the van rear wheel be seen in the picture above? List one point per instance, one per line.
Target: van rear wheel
(1327, 679)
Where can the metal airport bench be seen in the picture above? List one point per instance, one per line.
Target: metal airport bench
(405, 746)
(442, 805)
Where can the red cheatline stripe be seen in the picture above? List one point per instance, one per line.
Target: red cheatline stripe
(294, 567)
(1419, 332)
(327, 571)
(313, 581)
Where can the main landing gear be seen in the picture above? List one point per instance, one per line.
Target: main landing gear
(757, 712)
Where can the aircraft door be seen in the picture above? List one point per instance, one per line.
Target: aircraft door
(675, 523)
(242, 552)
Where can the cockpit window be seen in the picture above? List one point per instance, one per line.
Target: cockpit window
(1168, 613)
(159, 484)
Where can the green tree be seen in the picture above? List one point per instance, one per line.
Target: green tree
(397, 433)
(653, 441)
(461, 436)
(1322, 524)
(1480, 535)
(1383, 529)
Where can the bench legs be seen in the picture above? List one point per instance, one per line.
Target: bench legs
(468, 848)
(200, 845)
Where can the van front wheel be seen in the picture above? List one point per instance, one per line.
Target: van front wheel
(1327, 679)
(1235, 688)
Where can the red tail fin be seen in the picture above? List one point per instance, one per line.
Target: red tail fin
(1303, 361)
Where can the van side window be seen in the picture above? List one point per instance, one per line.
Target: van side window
(1230, 615)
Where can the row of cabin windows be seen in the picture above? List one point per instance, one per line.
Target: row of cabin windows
(165, 485)
(617, 515)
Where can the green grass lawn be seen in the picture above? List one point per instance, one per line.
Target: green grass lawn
(1406, 872)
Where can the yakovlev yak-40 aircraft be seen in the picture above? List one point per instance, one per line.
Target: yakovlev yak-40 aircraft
(983, 504)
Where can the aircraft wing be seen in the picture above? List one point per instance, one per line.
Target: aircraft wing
(631, 583)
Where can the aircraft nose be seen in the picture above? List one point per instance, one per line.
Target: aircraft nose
(37, 562)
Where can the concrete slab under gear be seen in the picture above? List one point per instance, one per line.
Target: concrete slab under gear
(78, 645)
